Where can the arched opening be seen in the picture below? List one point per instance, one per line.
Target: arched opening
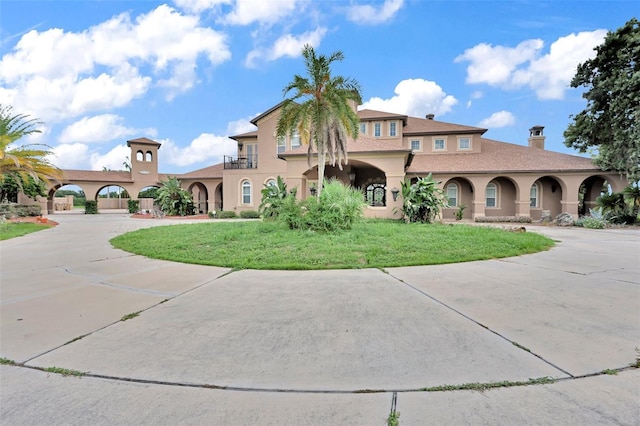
(146, 198)
(218, 205)
(148, 157)
(500, 197)
(459, 194)
(65, 198)
(590, 189)
(139, 156)
(545, 194)
(371, 180)
(200, 197)
(112, 197)
(245, 194)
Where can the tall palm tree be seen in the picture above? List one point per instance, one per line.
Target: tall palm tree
(320, 110)
(27, 161)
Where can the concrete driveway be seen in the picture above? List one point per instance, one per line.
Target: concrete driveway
(215, 346)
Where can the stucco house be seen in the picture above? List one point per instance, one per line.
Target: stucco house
(488, 177)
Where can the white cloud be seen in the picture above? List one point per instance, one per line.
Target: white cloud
(60, 74)
(71, 156)
(246, 12)
(241, 126)
(197, 6)
(287, 45)
(414, 97)
(100, 128)
(112, 160)
(206, 148)
(498, 119)
(366, 14)
(524, 65)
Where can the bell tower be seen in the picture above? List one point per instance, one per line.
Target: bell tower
(144, 159)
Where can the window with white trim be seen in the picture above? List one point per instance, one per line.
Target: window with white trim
(439, 144)
(377, 129)
(393, 128)
(363, 128)
(295, 140)
(452, 195)
(282, 144)
(533, 195)
(416, 145)
(246, 192)
(491, 195)
(464, 143)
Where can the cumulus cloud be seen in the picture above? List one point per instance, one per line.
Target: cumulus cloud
(58, 74)
(525, 65)
(112, 160)
(100, 128)
(414, 97)
(206, 148)
(287, 45)
(498, 119)
(365, 14)
(71, 156)
(245, 12)
(241, 126)
(197, 6)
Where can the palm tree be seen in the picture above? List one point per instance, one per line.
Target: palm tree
(27, 161)
(324, 118)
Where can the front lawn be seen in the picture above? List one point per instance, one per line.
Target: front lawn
(370, 244)
(17, 229)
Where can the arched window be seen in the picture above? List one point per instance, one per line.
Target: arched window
(271, 182)
(533, 195)
(148, 156)
(246, 192)
(376, 194)
(139, 156)
(491, 195)
(452, 194)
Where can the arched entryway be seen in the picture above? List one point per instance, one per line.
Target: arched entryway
(112, 197)
(458, 192)
(545, 194)
(590, 189)
(500, 197)
(200, 197)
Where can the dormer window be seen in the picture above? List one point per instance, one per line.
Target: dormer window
(464, 143)
(439, 144)
(393, 128)
(377, 129)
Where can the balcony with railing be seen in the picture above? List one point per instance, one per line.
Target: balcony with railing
(248, 162)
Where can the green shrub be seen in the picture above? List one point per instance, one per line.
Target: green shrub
(249, 214)
(422, 201)
(91, 207)
(212, 215)
(227, 214)
(9, 210)
(460, 212)
(337, 208)
(592, 222)
(133, 205)
(273, 199)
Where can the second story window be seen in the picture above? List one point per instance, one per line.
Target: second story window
(282, 144)
(295, 140)
(464, 143)
(363, 128)
(393, 128)
(439, 145)
(416, 145)
(377, 129)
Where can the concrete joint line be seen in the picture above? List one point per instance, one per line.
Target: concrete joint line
(481, 325)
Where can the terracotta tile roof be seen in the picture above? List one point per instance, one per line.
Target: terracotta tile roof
(98, 176)
(145, 141)
(500, 157)
(416, 126)
(214, 171)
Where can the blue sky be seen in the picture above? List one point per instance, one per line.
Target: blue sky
(189, 73)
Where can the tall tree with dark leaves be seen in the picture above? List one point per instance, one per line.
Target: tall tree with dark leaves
(611, 121)
(321, 110)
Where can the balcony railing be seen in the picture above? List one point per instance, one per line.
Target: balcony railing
(249, 162)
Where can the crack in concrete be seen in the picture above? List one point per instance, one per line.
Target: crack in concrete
(481, 325)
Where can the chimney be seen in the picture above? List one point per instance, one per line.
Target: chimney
(429, 116)
(536, 137)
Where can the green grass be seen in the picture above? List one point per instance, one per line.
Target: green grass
(14, 229)
(370, 244)
(64, 371)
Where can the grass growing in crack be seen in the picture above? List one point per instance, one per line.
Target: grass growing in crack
(637, 363)
(518, 345)
(7, 361)
(609, 372)
(64, 371)
(129, 316)
(490, 385)
(393, 419)
(76, 339)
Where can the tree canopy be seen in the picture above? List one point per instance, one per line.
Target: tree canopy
(611, 121)
(27, 162)
(321, 110)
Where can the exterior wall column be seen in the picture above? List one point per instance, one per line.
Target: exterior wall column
(394, 181)
(479, 186)
(570, 202)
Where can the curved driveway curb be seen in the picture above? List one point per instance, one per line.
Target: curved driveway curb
(313, 344)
